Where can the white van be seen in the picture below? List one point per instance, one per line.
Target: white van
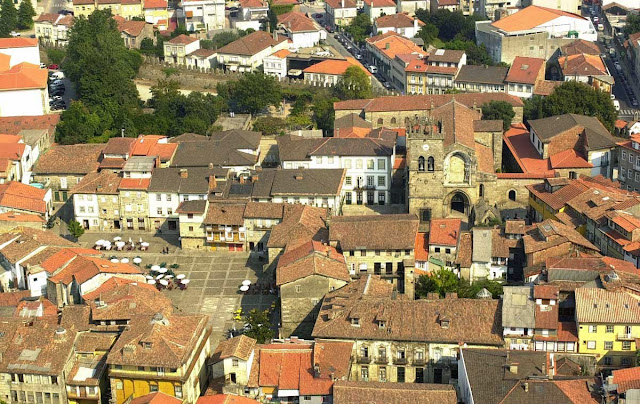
(57, 75)
(616, 105)
(373, 69)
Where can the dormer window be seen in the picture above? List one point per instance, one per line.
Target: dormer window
(444, 323)
(382, 324)
(146, 345)
(355, 321)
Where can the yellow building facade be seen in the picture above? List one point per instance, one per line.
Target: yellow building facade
(608, 325)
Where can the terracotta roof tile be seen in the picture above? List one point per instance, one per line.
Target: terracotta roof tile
(18, 42)
(627, 379)
(226, 398)
(531, 17)
(19, 217)
(392, 44)
(444, 232)
(335, 4)
(398, 20)
(602, 306)
(549, 233)
(470, 321)
(182, 39)
(355, 392)
(335, 67)
(84, 268)
(582, 65)
(23, 76)
(421, 252)
(120, 299)
(580, 46)
(374, 232)
(312, 258)
(134, 183)
(251, 44)
(156, 398)
(300, 224)
(69, 159)
(525, 70)
(295, 21)
(567, 331)
(380, 3)
(16, 195)
(155, 4)
(240, 347)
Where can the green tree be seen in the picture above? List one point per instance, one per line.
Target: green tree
(8, 18)
(533, 108)
(470, 290)
(324, 114)
(632, 25)
(476, 55)
(75, 229)
(254, 92)
(428, 33)
(55, 55)
(354, 84)
(574, 97)
(270, 125)
(103, 69)
(77, 125)
(259, 327)
(25, 15)
(299, 122)
(499, 110)
(360, 27)
(441, 282)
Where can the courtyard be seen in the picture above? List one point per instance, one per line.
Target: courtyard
(215, 278)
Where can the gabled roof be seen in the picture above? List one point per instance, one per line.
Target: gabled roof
(595, 305)
(156, 398)
(295, 21)
(18, 42)
(374, 232)
(117, 301)
(626, 379)
(580, 46)
(380, 3)
(482, 74)
(300, 224)
(182, 39)
(391, 44)
(550, 233)
(155, 4)
(531, 17)
(23, 76)
(444, 232)
(240, 347)
(296, 148)
(312, 258)
(596, 135)
(251, 44)
(104, 182)
(367, 392)
(398, 20)
(582, 65)
(335, 4)
(69, 159)
(525, 70)
(84, 268)
(16, 195)
(130, 27)
(335, 67)
(296, 182)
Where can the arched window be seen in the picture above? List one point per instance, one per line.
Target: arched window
(430, 164)
(420, 163)
(407, 121)
(393, 121)
(380, 121)
(481, 191)
(512, 195)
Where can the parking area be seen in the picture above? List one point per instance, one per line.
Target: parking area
(215, 279)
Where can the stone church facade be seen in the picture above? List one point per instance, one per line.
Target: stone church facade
(452, 158)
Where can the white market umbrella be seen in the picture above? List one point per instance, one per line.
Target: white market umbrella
(246, 282)
(159, 276)
(100, 242)
(118, 238)
(148, 276)
(144, 244)
(163, 270)
(125, 260)
(244, 288)
(164, 282)
(151, 281)
(185, 281)
(115, 260)
(181, 276)
(137, 260)
(155, 268)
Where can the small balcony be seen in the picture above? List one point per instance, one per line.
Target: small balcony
(627, 336)
(363, 359)
(419, 362)
(382, 360)
(400, 361)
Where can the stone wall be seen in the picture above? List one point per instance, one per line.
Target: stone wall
(509, 182)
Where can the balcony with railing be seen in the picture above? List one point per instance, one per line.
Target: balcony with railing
(382, 359)
(400, 360)
(627, 336)
(363, 359)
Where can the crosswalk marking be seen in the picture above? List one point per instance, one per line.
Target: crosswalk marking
(626, 112)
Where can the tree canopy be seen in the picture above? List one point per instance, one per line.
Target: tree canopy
(354, 84)
(102, 69)
(25, 15)
(633, 24)
(253, 93)
(259, 326)
(573, 97)
(445, 281)
(8, 18)
(428, 33)
(360, 27)
(499, 110)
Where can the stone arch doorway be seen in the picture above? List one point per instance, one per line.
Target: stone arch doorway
(458, 203)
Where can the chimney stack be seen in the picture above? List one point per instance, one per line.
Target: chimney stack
(526, 387)
(415, 24)
(342, 3)
(513, 368)
(184, 173)
(210, 166)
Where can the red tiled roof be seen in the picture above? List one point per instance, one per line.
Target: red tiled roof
(17, 195)
(182, 39)
(23, 76)
(334, 4)
(156, 398)
(295, 21)
(559, 198)
(391, 44)
(421, 251)
(398, 20)
(14, 124)
(83, 268)
(627, 379)
(444, 232)
(19, 42)
(225, 399)
(525, 70)
(252, 4)
(380, 3)
(135, 183)
(625, 220)
(335, 67)
(569, 159)
(155, 4)
(582, 65)
(517, 141)
(12, 216)
(530, 17)
(567, 331)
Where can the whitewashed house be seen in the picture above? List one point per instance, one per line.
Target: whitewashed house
(177, 49)
(400, 23)
(489, 257)
(340, 13)
(368, 163)
(202, 14)
(411, 6)
(248, 53)
(301, 30)
(21, 50)
(377, 8)
(233, 360)
(276, 64)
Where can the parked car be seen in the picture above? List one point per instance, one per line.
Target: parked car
(53, 66)
(56, 92)
(43, 66)
(388, 86)
(329, 29)
(634, 102)
(618, 67)
(358, 56)
(56, 82)
(57, 107)
(58, 75)
(54, 98)
(616, 105)
(14, 34)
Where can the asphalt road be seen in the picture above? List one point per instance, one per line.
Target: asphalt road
(312, 11)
